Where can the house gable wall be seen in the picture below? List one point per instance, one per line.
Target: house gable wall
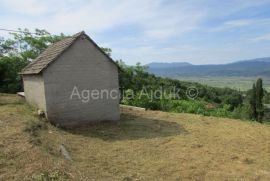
(81, 67)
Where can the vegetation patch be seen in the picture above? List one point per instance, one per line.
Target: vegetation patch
(34, 127)
(50, 176)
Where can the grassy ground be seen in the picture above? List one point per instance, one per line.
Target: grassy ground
(142, 146)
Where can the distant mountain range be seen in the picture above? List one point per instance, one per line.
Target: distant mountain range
(254, 67)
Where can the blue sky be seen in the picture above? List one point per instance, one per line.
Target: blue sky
(195, 31)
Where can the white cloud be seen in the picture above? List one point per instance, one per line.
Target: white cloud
(155, 17)
(265, 37)
(199, 54)
(26, 7)
(239, 23)
(159, 21)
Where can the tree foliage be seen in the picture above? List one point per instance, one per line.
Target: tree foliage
(259, 99)
(10, 80)
(16, 52)
(108, 51)
(135, 80)
(256, 95)
(252, 101)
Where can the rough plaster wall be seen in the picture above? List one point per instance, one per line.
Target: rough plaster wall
(34, 91)
(83, 66)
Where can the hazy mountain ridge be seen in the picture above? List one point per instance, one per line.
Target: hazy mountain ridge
(253, 67)
(168, 65)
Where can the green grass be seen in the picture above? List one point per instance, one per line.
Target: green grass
(150, 145)
(238, 83)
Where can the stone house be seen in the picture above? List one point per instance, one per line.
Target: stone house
(74, 82)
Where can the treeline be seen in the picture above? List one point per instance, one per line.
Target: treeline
(16, 52)
(138, 87)
(138, 80)
(210, 101)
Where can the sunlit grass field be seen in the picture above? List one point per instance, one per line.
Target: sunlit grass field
(143, 145)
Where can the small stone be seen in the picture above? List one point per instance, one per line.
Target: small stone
(41, 113)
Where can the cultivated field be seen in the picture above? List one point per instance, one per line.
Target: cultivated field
(238, 83)
(147, 145)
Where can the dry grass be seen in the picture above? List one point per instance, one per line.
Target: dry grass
(143, 146)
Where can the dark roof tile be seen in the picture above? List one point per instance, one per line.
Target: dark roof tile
(52, 53)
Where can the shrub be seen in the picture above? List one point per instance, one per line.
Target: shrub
(242, 112)
(223, 111)
(34, 127)
(188, 106)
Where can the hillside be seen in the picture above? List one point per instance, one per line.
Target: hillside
(254, 67)
(142, 146)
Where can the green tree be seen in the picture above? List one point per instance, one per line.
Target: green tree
(10, 80)
(259, 99)
(256, 101)
(108, 51)
(16, 52)
(252, 102)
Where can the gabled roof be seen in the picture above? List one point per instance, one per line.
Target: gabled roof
(54, 51)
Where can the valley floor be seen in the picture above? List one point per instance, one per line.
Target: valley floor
(148, 145)
(234, 82)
